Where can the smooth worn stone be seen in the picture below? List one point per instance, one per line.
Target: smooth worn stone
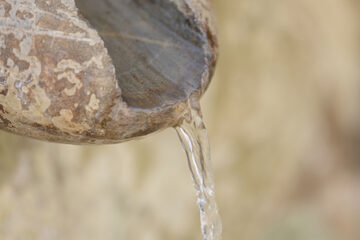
(89, 71)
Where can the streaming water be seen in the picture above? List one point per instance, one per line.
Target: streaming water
(193, 136)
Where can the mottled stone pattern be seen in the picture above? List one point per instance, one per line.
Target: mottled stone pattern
(283, 118)
(54, 70)
(57, 81)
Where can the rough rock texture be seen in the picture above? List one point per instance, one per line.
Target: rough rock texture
(283, 118)
(58, 82)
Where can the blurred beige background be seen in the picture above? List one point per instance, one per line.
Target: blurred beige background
(283, 116)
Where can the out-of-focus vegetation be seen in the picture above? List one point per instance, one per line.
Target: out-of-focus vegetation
(283, 115)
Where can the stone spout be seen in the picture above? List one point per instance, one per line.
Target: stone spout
(94, 72)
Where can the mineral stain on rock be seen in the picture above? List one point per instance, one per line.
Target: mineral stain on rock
(93, 77)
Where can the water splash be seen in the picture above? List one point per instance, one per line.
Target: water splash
(194, 138)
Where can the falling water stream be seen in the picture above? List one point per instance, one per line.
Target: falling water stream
(193, 136)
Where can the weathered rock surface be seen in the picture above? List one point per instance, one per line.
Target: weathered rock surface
(109, 72)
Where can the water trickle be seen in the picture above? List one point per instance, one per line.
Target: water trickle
(193, 136)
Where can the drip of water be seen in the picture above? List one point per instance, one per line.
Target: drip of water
(193, 136)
